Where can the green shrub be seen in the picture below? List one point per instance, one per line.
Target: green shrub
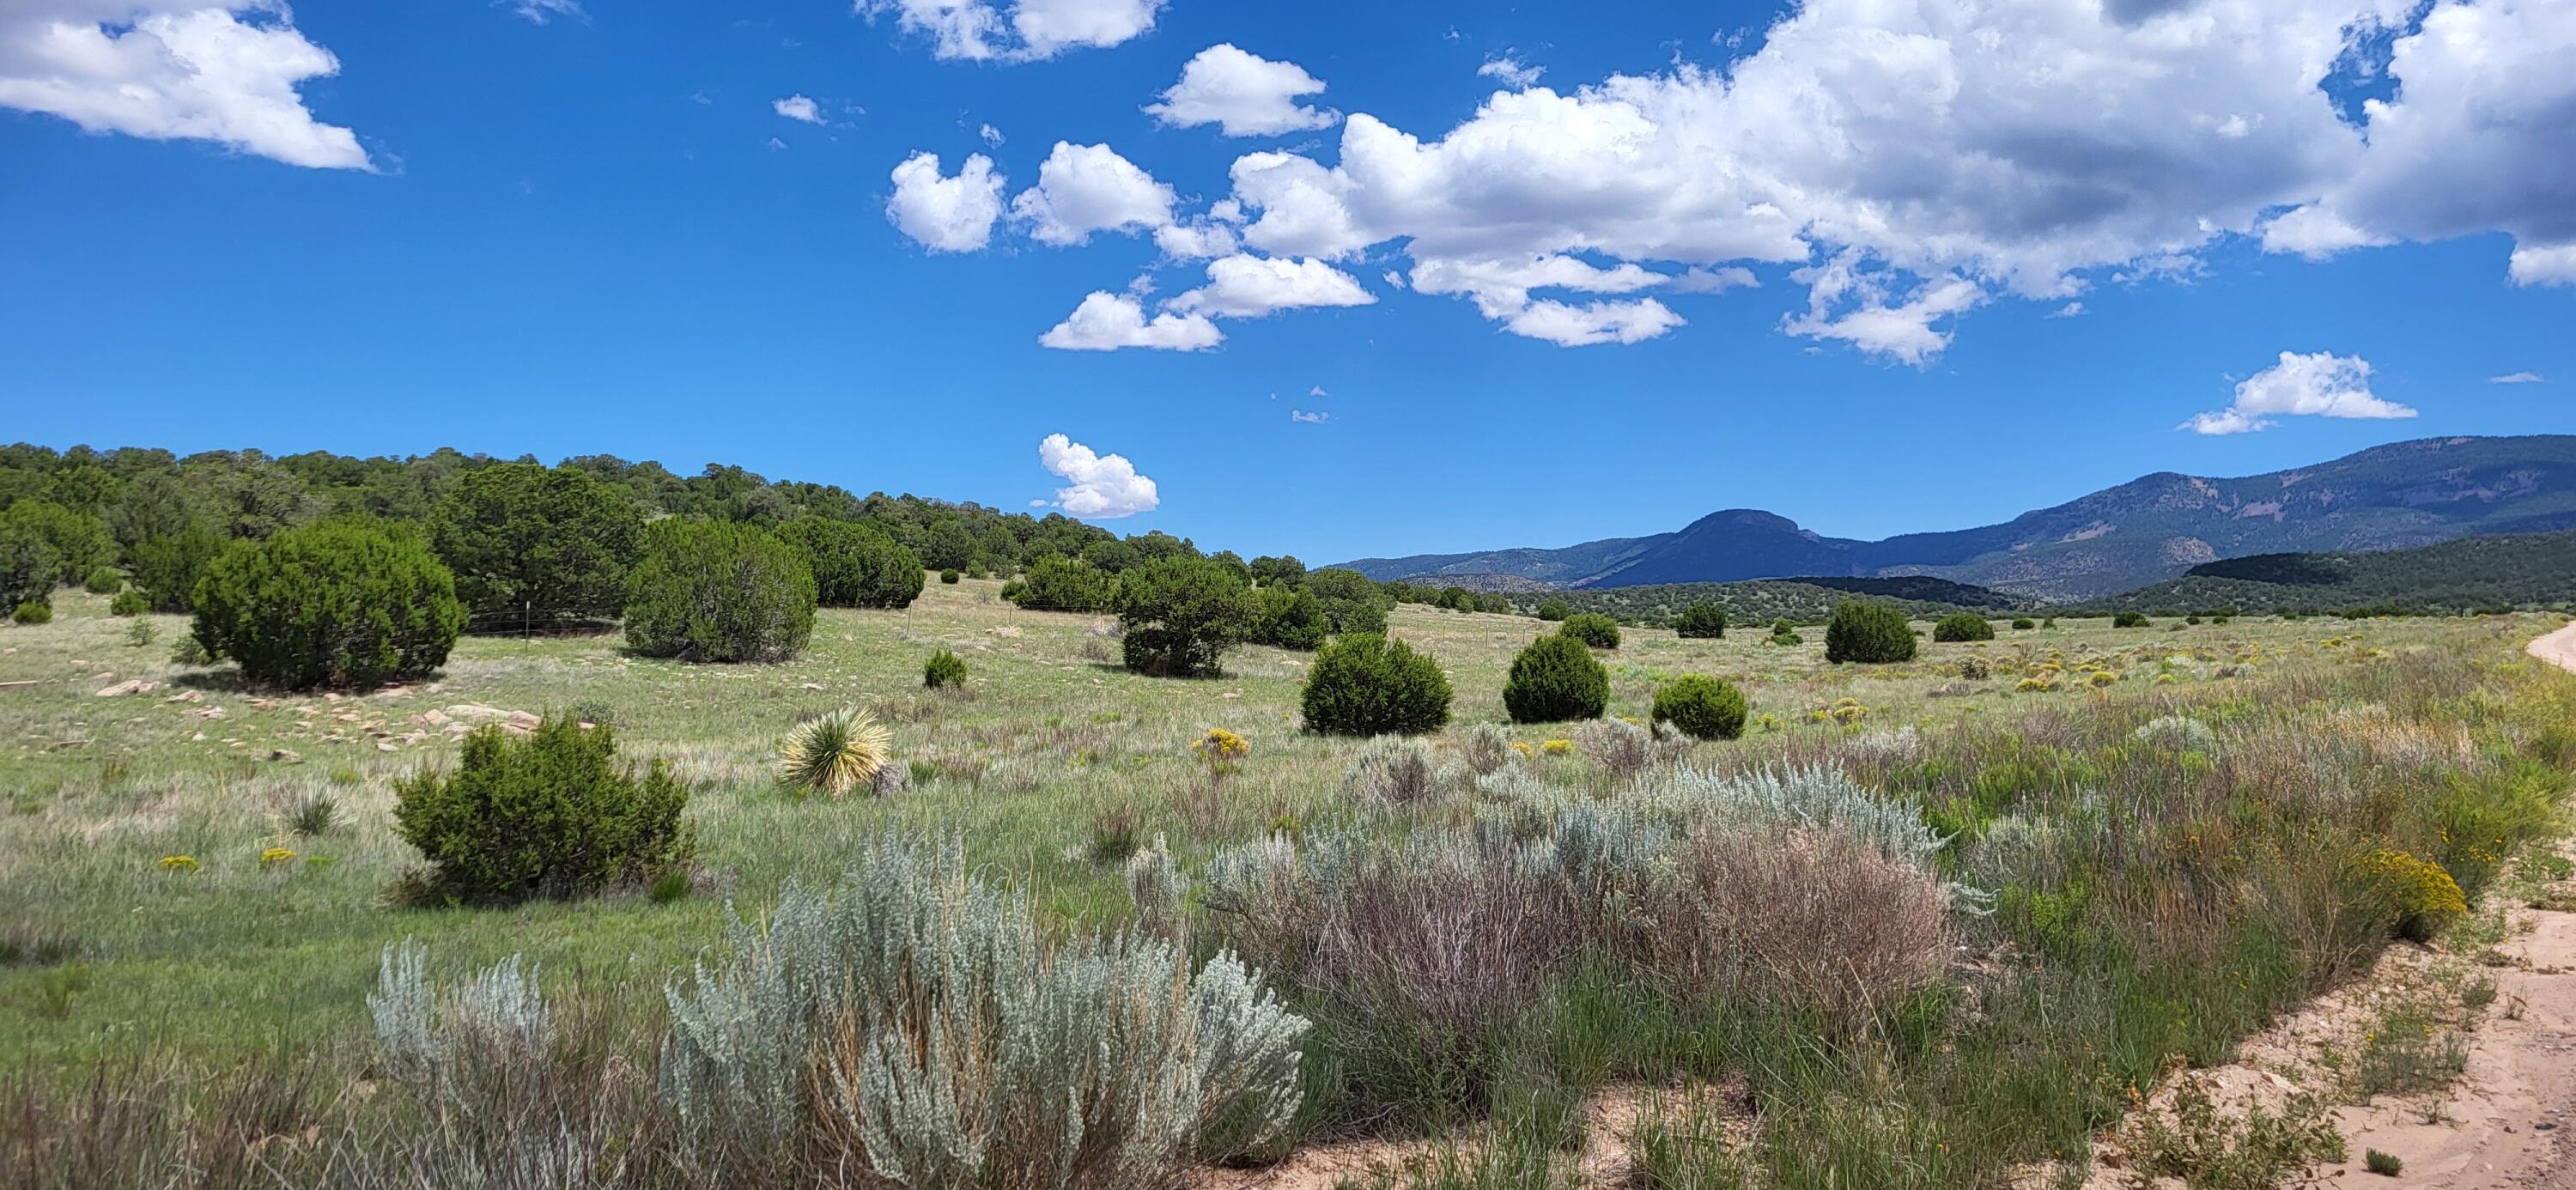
(1556, 679)
(1291, 618)
(2129, 620)
(1553, 609)
(33, 611)
(1598, 631)
(549, 814)
(1060, 584)
(949, 577)
(128, 602)
(1868, 633)
(28, 564)
(1785, 633)
(718, 591)
(349, 602)
(1180, 615)
(104, 581)
(1962, 626)
(2022, 624)
(1366, 684)
(2386, 1165)
(166, 568)
(1701, 621)
(1702, 706)
(1351, 600)
(943, 669)
(855, 565)
(75, 542)
(530, 540)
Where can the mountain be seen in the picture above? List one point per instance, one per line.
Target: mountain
(2145, 531)
(2515, 570)
(1756, 602)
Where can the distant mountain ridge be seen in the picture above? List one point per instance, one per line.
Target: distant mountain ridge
(2148, 530)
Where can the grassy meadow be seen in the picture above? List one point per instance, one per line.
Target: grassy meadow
(2149, 895)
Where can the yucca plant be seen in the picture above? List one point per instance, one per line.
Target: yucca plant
(833, 753)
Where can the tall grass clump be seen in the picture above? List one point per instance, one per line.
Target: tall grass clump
(916, 1026)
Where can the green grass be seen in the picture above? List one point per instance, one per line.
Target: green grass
(1053, 764)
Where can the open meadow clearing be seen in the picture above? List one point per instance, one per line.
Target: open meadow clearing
(2142, 844)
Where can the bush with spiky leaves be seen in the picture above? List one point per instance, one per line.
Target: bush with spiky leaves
(1869, 634)
(549, 814)
(1701, 621)
(1556, 679)
(863, 1019)
(717, 591)
(1598, 631)
(1366, 684)
(33, 611)
(1962, 626)
(834, 753)
(1702, 706)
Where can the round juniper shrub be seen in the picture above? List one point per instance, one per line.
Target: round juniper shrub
(104, 581)
(1556, 679)
(33, 611)
(1365, 684)
(1180, 615)
(2129, 620)
(1701, 621)
(353, 601)
(128, 602)
(855, 565)
(528, 540)
(1598, 631)
(1960, 626)
(943, 669)
(2022, 624)
(1291, 618)
(950, 577)
(548, 814)
(1705, 707)
(1553, 610)
(718, 591)
(1868, 633)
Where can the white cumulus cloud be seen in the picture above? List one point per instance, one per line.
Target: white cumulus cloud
(223, 71)
(798, 107)
(1246, 286)
(1108, 321)
(1510, 72)
(1025, 31)
(1086, 188)
(1243, 94)
(2316, 385)
(1097, 487)
(946, 214)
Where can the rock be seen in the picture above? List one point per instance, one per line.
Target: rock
(187, 696)
(285, 755)
(475, 712)
(1005, 631)
(121, 689)
(813, 686)
(522, 721)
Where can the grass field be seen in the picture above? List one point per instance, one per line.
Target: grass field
(204, 966)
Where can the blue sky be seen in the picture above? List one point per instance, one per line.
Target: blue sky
(1885, 267)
